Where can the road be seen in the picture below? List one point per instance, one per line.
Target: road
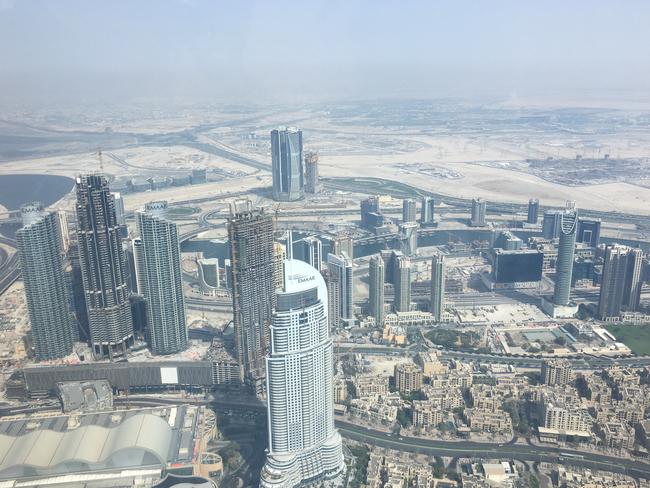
(521, 452)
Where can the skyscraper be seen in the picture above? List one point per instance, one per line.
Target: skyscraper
(252, 267)
(311, 251)
(620, 289)
(438, 286)
(340, 290)
(427, 216)
(286, 155)
(41, 260)
(409, 210)
(402, 284)
(279, 256)
(376, 289)
(565, 252)
(551, 224)
(304, 446)
(160, 280)
(408, 235)
(478, 213)
(311, 172)
(533, 211)
(589, 232)
(101, 258)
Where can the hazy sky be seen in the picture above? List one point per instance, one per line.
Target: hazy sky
(261, 50)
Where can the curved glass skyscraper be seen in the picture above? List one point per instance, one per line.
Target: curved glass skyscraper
(565, 251)
(41, 262)
(304, 447)
(287, 167)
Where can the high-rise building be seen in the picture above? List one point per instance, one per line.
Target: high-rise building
(371, 216)
(286, 155)
(408, 377)
(64, 231)
(507, 241)
(376, 289)
(533, 211)
(551, 224)
(620, 289)
(427, 215)
(589, 232)
(409, 210)
(42, 267)
(101, 258)
(120, 213)
(479, 207)
(160, 280)
(408, 235)
(402, 284)
(252, 268)
(343, 244)
(340, 289)
(310, 250)
(438, 286)
(304, 446)
(565, 252)
(279, 256)
(557, 372)
(311, 172)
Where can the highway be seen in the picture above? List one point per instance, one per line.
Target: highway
(521, 452)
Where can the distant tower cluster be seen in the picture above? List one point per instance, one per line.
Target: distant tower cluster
(427, 216)
(478, 213)
(311, 172)
(620, 289)
(438, 286)
(42, 266)
(304, 446)
(287, 166)
(160, 279)
(376, 289)
(101, 258)
(253, 268)
(533, 211)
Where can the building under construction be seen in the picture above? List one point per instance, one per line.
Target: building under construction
(253, 286)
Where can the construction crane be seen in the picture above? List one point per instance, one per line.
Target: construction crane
(101, 160)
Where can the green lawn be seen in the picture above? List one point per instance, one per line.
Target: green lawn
(636, 337)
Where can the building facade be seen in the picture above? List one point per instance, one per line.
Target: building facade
(287, 167)
(533, 211)
(409, 210)
(402, 284)
(161, 280)
(479, 207)
(252, 268)
(42, 268)
(566, 250)
(311, 172)
(101, 258)
(427, 216)
(340, 287)
(376, 289)
(438, 286)
(304, 446)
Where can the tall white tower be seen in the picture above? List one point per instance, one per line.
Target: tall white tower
(304, 447)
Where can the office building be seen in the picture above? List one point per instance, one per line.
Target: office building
(517, 266)
(565, 252)
(589, 232)
(478, 213)
(102, 263)
(160, 280)
(557, 372)
(427, 215)
(409, 210)
(304, 446)
(286, 158)
(376, 289)
(551, 224)
(252, 267)
(340, 288)
(402, 284)
(408, 235)
(310, 250)
(533, 211)
(311, 172)
(620, 289)
(42, 267)
(438, 286)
